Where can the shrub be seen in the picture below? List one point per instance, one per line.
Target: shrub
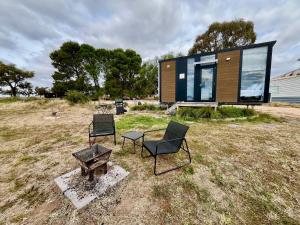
(196, 113)
(97, 94)
(232, 112)
(149, 107)
(208, 112)
(75, 97)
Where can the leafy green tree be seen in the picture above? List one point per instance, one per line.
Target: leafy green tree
(94, 62)
(225, 35)
(26, 88)
(122, 67)
(14, 78)
(70, 71)
(146, 82)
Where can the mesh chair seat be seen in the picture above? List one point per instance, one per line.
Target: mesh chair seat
(101, 132)
(163, 148)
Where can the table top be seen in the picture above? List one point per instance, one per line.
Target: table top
(133, 135)
(89, 154)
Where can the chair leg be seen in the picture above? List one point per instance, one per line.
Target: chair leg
(123, 143)
(188, 151)
(147, 156)
(115, 139)
(155, 165)
(175, 168)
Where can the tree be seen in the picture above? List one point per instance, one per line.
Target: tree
(40, 90)
(146, 82)
(26, 89)
(122, 68)
(94, 62)
(14, 78)
(70, 71)
(225, 35)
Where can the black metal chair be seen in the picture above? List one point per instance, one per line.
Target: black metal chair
(120, 106)
(173, 140)
(102, 125)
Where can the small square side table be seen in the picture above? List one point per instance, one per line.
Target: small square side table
(133, 136)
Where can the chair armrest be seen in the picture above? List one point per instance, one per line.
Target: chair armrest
(149, 131)
(166, 141)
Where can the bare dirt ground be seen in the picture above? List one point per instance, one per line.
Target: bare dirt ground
(242, 172)
(280, 111)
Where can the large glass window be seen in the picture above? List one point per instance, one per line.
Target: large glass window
(190, 79)
(253, 74)
(208, 58)
(207, 76)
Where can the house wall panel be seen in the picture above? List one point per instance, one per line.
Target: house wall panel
(168, 81)
(228, 76)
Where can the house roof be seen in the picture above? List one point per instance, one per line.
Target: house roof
(271, 43)
(292, 74)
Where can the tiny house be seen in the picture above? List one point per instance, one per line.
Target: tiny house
(238, 75)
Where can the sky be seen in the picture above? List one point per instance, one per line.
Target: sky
(31, 29)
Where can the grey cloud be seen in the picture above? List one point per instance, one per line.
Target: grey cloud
(31, 29)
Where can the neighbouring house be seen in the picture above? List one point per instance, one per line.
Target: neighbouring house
(286, 88)
(238, 75)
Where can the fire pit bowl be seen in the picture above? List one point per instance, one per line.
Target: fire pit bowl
(90, 159)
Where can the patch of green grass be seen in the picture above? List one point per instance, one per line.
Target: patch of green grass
(32, 196)
(198, 158)
(217, 177)
(123, 152)
(7, 205)
(190, 186)
(27, 159)
(18, 218)
(8, 100)
(9, 134)
(34, 141)
(8, 152)
(18, 184)
(260, 206)
(161, 191)
(189, 170)
(124, 165)
(129, 122)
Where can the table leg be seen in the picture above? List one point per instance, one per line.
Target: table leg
(134, 146)
(105, 168)
(83, 172)
(91, 175)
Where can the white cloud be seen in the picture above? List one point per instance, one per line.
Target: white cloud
(30, 29)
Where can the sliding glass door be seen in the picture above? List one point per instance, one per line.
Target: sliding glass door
(207, 84)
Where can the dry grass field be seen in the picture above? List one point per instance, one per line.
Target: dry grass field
(242, 172)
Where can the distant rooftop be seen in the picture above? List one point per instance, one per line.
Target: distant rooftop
(292, 74)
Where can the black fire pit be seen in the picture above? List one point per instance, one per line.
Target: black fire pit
(93, 158)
